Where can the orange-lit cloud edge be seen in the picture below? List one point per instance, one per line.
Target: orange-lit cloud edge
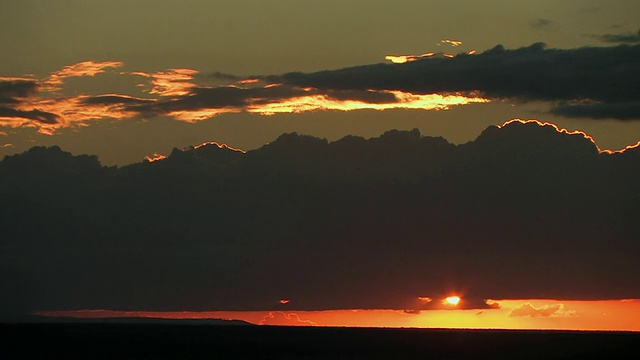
(571, 132)
(178, 83)
(158, 156)
(173, 84)
(46, 110)
(529, 314)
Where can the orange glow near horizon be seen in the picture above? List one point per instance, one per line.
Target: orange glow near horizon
(541, 314)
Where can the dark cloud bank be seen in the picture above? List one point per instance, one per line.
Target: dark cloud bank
(628, 37)
(521, 212)
(573, 81)
(587, 82)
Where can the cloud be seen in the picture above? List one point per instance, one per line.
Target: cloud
(204, 103)
(85, 68)
(629, 38)
(555, 311)
(453, 43)
(14, 88)
(48, 115)
(115, 99)
(285, 319)
(593, 82)
(401, 59)
(604, 75)
(176, 94)
(15, 111)
(541, 23)
(23, 104)
(628, 110)
(527, 210)
(36, 115)
(171, 83)
(217, 75)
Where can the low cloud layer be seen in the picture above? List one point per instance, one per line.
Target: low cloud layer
(401, 222)
(628, 38)
(528, 309)
(588, 82)
(604, 76)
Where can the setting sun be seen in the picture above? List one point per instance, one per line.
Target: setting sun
(451, 300)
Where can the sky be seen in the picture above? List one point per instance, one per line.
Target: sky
(149, 51)
(121, 84)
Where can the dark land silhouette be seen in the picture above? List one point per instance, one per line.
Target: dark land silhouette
(523, 211)
(103, 340)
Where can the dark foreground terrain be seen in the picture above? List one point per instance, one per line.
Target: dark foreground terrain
(200, 341)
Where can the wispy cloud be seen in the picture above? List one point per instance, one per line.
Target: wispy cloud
(282, 318)
(541, 23)
(14, 89)
(85, 68)
(593, 82)
(556, 310)
(621, 38)
(453, 43)
(173, 82)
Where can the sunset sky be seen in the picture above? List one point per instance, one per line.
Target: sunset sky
(67, 53)
(129, 80)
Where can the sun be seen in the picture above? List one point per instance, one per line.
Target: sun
(451, 300)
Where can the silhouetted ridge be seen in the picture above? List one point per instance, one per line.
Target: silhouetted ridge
(52, 159)
(532, 138)
(48, 166)
(523, 211)
(206, 153)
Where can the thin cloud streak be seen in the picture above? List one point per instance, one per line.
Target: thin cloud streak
(178, 95)
(172, 83)
(401, 59)
(589, 82)
(556, 310)
(628, 38)
(85, 68)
